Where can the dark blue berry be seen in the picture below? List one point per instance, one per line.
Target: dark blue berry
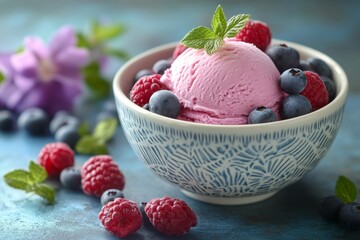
(110, 195)
(62, 119)
(330, 87)
(145, 217)
(34, 121)
(7, 121)
(349, 215)
(165, 103)
(110, 106)
(68, 134)
(293, 81)
(161, 65)
(330, 208)
(320, 67)
(261, 115)
(284, 57)
(295, 105)
(142, 73)
(305, 66)
(71, 178)
(146, 106)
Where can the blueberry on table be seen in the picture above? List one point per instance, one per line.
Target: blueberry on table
(68, 134)
(165, 103)
(110, 195)
(110, 106)
(261, 115)
(34, 121)
(295, 105)
(61, 120)
(330, 207)
(142, 73)
(71, 178)
(7, 121)
(293, 81)
(320, 67)
(161, 65)
(284, 57)
(349, 215)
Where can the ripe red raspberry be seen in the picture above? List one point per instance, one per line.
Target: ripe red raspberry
(144, 88)
(315, 91)
(55, 157)
(170, 216)
(121, 217)
(179, 49)
(99, 174)
(257, 33)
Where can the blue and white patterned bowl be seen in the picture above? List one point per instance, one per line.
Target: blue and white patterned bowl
(234, 164)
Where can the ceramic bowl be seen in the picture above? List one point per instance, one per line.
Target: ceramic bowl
(233, 164)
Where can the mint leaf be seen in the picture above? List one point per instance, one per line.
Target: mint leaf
(103, 33)
(345, 189)
(90, 145)
(94, 80)
(45, 191)
(19, 179)
(218, 23)
(37, 173)
(105, 129)
(82, 41)
(84, 129)
(212, 46)
(2, 77)
(120, 54)
(198, 37)
(236, 24)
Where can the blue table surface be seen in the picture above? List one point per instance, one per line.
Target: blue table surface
(330, 26)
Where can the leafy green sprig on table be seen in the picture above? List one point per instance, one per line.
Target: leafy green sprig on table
(97, 44)
(31, 181)
(2, 77)
(212, 39)
(345, 189)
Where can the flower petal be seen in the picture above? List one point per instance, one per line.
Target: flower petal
(24, 83)
(25, 63)
(72, 57)
(37, 46)
(63, 39)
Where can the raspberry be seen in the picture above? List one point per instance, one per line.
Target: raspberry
(315, 91)
(121, 217)
(99, 174)
(144, 88)
(170, 216)
(257, 33)
(55, 157)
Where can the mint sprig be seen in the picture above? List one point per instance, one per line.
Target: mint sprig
(2, 77)
(345, 189)
(212, 39)
(95, 143)
(31, 181)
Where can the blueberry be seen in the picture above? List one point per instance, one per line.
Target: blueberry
(110, 195)
(142, 73)
(110, 106)
(305, 66)
(293, 81)
(7, 121)
(330, 87)
(295, 105)
(71, 178)
(261, 115)
(146, 106)
(165, 103)
(330, 208)
(320, 67)
(34, 121)
(349, 215)
(284, 57)
(161, 65)
(62, 119)
(146, 220)
(68, 134)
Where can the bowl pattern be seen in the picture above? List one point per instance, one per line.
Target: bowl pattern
(229, 165)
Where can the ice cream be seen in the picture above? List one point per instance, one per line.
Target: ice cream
(224, 87)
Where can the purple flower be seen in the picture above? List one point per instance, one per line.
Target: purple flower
(48, 77)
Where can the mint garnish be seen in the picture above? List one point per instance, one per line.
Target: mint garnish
(2, 77)
(31, 181)
(345, 189)
(95, 143)
(212, 39)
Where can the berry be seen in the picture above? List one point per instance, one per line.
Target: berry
(7, 121)
(257, 33)
(34, 121)
(165, 103)
(142, 73)
(315, 91)
(179, 49)
(55, 157)
(110, 195)
(110, 106)
(99, 174)
(144, 88)
(62, 119)
(295, 105)
(349, 215)
(305, 66)
(330, 87)
(320, 67)
(70, 178)
(170, 216)
(330, 208)
(161, 65)
(293, 81)
(68, 134)
(121, 217)
(261, 115)
(284, 57)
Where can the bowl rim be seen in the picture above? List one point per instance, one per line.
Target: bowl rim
(341, 84)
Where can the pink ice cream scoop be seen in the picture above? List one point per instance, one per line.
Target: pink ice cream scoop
(223, 88)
